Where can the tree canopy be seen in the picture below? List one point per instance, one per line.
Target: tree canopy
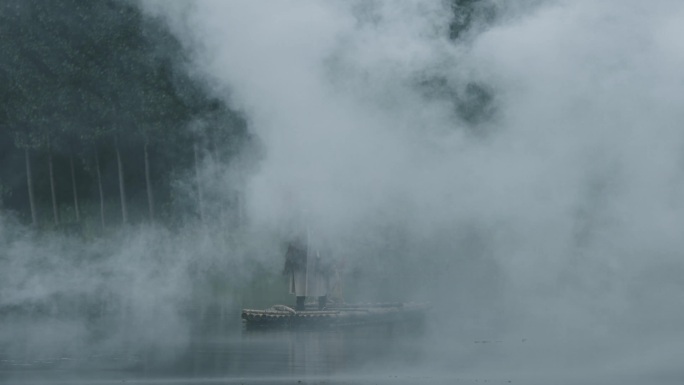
(80, 76)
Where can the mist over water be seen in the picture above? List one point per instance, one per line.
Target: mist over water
(525, 177)
(548, 208)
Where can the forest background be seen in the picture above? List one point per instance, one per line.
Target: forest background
(122, 175)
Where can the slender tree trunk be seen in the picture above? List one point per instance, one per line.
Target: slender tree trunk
(99, 186)
(52, 186)
(198, 179)
(73, 187)
(214, 153)
(238, 204)
(122, 188)
(148, 182)
(214, 172)
(29, 182)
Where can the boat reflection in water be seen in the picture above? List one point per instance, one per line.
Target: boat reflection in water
(277, 353)
(228, 352)
(331, 352)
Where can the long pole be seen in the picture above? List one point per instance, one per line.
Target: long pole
(308, 261)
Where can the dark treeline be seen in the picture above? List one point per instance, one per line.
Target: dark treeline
(98, 116)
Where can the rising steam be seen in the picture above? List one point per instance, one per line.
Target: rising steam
(533, 165)
(526, 177)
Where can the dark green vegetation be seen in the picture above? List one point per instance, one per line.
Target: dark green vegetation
(100, 119)
(95, 110)
(103, 127)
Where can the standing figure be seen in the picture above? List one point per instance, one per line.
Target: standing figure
(295, 268)
(309, 276)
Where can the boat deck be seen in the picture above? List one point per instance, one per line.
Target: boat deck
(334, 315)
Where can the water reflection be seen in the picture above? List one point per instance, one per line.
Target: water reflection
(232, 354)
(301, 353)
(380, 354)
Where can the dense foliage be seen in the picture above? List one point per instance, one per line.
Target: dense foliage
(94, 97)
(99, 116)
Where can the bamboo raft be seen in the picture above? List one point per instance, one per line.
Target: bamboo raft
(280, 316)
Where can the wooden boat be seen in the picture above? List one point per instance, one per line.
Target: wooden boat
(334, 315)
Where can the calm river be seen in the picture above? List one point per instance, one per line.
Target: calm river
(379, 354)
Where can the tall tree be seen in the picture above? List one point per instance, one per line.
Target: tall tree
(53, 195)
(91, 84)
(29, 183)
(122, 186)
(99, 189)
(77, 211)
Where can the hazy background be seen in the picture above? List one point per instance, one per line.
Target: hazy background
(520, 167)
(525, 176)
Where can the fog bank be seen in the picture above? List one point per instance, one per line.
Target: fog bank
(524, 175)
(527, 175)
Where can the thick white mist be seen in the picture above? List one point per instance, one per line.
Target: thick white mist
(561, 213)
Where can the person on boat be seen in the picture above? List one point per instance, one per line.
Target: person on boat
(309, 274)
(295, 268)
